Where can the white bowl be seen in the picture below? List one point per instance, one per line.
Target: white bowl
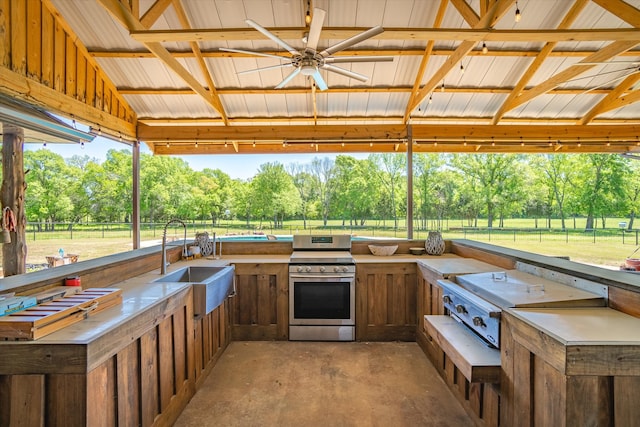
(383, 250)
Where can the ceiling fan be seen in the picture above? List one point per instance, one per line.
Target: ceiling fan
(309, 61)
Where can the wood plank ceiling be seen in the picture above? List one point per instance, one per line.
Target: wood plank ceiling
(466, 76)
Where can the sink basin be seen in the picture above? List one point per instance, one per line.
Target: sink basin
(211, 285)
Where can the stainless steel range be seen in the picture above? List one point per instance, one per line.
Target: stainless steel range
(322, 289)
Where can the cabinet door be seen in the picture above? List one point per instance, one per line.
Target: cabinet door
(386, 302)
(260, 309)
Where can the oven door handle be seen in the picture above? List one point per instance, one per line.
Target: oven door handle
(321, 276)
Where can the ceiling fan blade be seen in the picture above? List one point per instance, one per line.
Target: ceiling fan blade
(315, 29)
(272, 36)
(351, 41)
(346, 73)
(255, 70)
(250, 52)
(343, 59)
(288, 78)
(320, 83)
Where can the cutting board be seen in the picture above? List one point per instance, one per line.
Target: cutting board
(44, 319)
(513, 288)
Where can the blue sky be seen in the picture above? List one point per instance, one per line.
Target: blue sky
(236, 166)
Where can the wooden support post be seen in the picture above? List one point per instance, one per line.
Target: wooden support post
(409, 182)
(135, 221)
(14, 254)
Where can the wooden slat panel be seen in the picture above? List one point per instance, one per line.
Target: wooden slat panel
(625, 301)
(588, 401)
(378, 288)
(522, 393)
(475, 398)
(263, 301)
(282, 301)
(626, 408)
(410, 291)
(99, 87)
(22, 400)
(101, 396)
(70, 68)
(5, 39)
(47, 57)
(18, 36)
(91, 86)
(149, 376)
(66, 400)
(396, 302)
(34, 39)
(491, 406)
(165, 353)
(59, 47)
(198, 352)
(507, 344)
(180, 333)
(549, 395)
(128, 385)
(81, 78)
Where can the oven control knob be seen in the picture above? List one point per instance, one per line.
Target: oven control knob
(460, 309)
(345, 269)
(336, 269)
(446, 299)
(299, 269)
(322, 269)
(477, 320)
(307, 269)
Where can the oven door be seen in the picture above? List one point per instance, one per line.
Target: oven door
(321, 299)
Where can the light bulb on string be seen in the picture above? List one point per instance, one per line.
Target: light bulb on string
(442, 87)
(518, 15)
(307, 17)
(485, 49)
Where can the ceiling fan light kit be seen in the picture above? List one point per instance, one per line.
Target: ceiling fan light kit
(309, 61)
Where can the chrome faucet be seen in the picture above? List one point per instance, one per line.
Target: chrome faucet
(164, 263)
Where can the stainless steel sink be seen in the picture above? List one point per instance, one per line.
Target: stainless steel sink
(211, 285)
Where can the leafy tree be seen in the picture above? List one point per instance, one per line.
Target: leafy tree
(556, 173)
(390, 169)
(356, 190)
(308, 187)
(632, 191)
(274, 193)
(322, 171)
(429, 195)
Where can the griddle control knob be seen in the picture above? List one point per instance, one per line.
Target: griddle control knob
(446, 299)
(477, 321)
(460, 309)
(322, 269)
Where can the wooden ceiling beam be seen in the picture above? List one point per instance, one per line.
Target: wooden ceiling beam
(425, 59)
(154, 13)
(497, 10)
(215, 53)
(415, 34)
(608, 103)
(569, 18)
(124, 16)
(385, 132)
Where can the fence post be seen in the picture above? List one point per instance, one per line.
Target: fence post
(540, 235)
(71, 231)
(594, 235)
(514, 235)
(566, 231)
(622, 231)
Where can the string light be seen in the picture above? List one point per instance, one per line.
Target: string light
(44, 145)
(521, 142)
(442, 87)
(82, 145)
(225, 144)
(196, 143)
(168, 144)
(431, 98)
(518, 16)
(485, 49)
(307, 17)
(254, 143)
(461, 68)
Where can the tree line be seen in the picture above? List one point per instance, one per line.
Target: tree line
(468, 186)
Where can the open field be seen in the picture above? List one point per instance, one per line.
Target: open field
(605, 248)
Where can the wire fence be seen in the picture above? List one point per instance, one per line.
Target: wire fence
(153, 231)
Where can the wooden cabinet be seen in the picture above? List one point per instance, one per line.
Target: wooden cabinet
(212, 334)
(140, 372)
(570, 367)
(260, 309)
(386, 302)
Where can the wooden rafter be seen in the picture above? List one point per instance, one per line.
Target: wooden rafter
(154, 12)
(569, 18)
(215, 99)
(447, 34)
(124, 16)
(608, 102)
(497, 10)
(425, 59)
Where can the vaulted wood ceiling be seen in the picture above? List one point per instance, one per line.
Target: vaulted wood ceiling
(562, 79)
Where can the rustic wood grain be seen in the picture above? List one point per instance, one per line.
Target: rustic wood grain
(149, 383)
(180, 332)
(166, 359)
(625, 301)
(497, 260)
(625, 393)
(101, 395)
(66, 400)
(491, 405)
(128, 384)
(21, 400)
(522, 390)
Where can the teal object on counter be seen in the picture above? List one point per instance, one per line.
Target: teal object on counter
(15, 304)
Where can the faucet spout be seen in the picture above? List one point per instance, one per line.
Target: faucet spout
(163, 260)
